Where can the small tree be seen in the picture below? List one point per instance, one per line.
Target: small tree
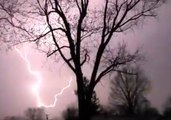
(127, 91)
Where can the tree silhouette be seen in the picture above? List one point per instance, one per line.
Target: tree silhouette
(71, 113)
(14, 118)
(127, 91)
(35, 114)
(29, 114)
(79, 37)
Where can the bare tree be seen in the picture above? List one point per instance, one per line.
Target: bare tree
(127, 91)
(80, 33)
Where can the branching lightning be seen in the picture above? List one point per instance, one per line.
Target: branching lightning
(39, 79)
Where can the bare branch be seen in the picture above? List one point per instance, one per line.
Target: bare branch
(54, 51)
(112, 63)
(86, 57)
(54, 39)
(44, 34)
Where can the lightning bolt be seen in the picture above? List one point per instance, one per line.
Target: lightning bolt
(39, 79)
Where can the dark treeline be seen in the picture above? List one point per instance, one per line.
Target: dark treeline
(127, 101)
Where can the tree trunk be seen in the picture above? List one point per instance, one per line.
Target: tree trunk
(83, 107)
(82, 104)
(84, 100)
(130, 111)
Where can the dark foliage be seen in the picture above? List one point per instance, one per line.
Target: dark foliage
(167, 109)
(95, 107)
(70, 113)
(35, 114)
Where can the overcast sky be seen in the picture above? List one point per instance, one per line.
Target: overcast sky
(16, 82)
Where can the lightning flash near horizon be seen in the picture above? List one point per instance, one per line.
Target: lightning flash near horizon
(39, 79)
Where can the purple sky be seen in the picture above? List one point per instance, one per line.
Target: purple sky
(15, 81)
